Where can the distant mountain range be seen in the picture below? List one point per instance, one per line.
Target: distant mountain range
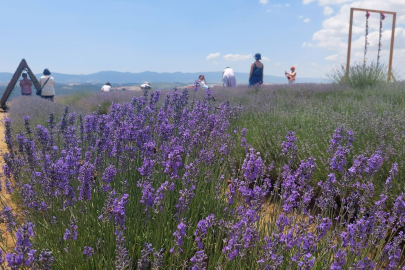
(136, 78)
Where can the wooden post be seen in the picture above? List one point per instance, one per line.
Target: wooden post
(390, 75)
(23, 64)
(394, 14)
(349, 47)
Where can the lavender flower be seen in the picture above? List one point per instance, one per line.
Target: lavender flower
(158, 260)
(24, 254)
(289, 147)
(46, 259)
(201, 230)
(199, 260)
(71, 232)
(340, 260)
(9, 218)
(108, 177)
(179, 234)
(185, 199)
(88, 251)
(144, 261)
(253, 167)
(87, 180)
(119, 211)
(122, 260)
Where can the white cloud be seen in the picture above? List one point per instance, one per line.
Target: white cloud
(332, 57)
(263, 2)
(333, 34)
(215, 63)
(307, 20)
(304, 44)
(300, 17)
(314, 64)
(287, 5)
(269, 10)
(328, 11)
(306, 2)
(277, 64)
(237, 57)
(265, 59)
(213, 55)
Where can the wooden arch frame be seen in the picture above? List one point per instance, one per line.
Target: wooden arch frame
(394, 16)
(23, 65)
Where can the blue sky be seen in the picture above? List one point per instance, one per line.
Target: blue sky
(82, 37)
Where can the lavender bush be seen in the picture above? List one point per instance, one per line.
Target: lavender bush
(314, 111)
(160, 186)
(91, 101)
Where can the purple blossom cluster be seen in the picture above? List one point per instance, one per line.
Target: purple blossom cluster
(156, 173)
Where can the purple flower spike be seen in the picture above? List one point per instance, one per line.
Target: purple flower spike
(289, 147)
(88, 251)
(144, 261)
(199, 260)
(23, 255)
(71, 232)
(179, 234)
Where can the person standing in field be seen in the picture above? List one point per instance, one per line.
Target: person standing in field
(106, 87)
(228, 78)
(26, 84)
(291, 76)
(256, 71)
(47, 84)
(146, 85)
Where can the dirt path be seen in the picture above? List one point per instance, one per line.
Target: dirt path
(8, 240)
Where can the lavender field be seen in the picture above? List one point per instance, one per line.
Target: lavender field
(277, 177)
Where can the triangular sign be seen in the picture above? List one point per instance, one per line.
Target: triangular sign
(23, 65)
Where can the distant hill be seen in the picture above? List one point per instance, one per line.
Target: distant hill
(153, 77)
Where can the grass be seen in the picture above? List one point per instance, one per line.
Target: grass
(313, 112)
(361, 76)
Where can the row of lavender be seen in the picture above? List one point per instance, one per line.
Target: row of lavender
(145, 187)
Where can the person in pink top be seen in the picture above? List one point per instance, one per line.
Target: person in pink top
(26, 84)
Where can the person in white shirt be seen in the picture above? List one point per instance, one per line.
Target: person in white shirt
(146, 85)
(203, 82)
(47, 84)
(228, 78)
(106, 87)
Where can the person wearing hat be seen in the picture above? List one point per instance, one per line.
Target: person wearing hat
(228, 78)
(256, 71)
(291, 76)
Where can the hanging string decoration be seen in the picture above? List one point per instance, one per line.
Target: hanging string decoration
(382, 17)
(366, 38)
